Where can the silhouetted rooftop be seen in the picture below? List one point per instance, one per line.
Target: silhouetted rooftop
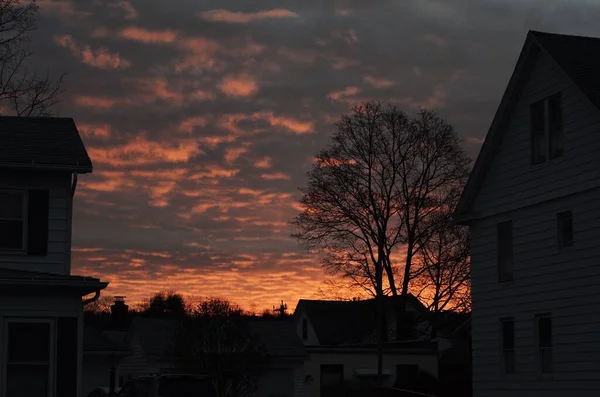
(279, 337)
(96, 340)
(42, 142)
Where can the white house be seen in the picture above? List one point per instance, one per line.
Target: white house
(41, 317)
(533, 207)
(340, 338)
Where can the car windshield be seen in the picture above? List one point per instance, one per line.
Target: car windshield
(186, 386)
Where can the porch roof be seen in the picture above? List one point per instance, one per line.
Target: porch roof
(13, 280)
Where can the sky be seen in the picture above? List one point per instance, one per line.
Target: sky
(202, 118)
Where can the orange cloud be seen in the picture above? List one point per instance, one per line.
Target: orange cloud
(265, 162)
(61, 9)
(240, 85)
(148, 36)
(100, 102)
(343, 95)
(232, 154)
(213, 172)
(102, 58)
(340, 63)
(275, 176)
(297, 126)
(378, 83)
(299, 56)
(222, 15)
(189, 124)
(141, 151)
(99, 131)
(199, 54)
(129, 12)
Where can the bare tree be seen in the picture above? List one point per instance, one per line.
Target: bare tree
(216, 340)
(349, 203)
(100, 306)
(442, 272)
(22, 91)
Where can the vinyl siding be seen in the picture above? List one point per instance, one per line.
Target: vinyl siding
(511, 181)
(563, 283)
(59, 184)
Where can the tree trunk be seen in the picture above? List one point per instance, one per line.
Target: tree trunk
(379, 317)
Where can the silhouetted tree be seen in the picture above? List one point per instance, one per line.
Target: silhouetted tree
(371, 191)
(165, 304)
(443, 270)
(21, 90)
(100, 306)
(217, 340)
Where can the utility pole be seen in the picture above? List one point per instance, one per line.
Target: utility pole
(281, 309)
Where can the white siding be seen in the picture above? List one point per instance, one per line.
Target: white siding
(564, 284)
(136, 363)
(59, 224)
(511, 181)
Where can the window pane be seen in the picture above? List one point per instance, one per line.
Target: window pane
(545, 331)
(537, 133)
(27, 380)
(508, 334)
(509, 361)
(28, 342)
(555, 128)
(546, 360)
(331, 375)
(11, 205)
(11, 234)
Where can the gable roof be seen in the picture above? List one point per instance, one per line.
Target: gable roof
(98, 341)
(42, 143)
(577, 57)
(155, 335)
(279, 338)
(347, 322)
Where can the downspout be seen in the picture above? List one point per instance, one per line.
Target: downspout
(74, 184)
(92, 299)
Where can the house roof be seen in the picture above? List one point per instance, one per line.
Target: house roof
(42, 142)
(16, 280)
(346, 322)
(449, 323)
(577, 57)
(96, 340)
(155, 335)
(279, 337)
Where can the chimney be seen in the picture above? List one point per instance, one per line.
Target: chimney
(119, 311)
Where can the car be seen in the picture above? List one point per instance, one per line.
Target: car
(169, 385)
(102, 391)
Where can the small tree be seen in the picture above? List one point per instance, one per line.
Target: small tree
(216, 340)
(22, 91)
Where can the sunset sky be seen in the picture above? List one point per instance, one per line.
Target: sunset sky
(202, 117)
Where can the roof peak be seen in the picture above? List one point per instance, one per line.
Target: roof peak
(541, 33)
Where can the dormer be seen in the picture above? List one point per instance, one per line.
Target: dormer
(40, 158)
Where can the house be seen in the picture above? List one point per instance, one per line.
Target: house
(41, 316)
(150, 340)
(532, 207)
(340, 338)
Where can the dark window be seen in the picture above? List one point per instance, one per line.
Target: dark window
(28, 361)
(332, 377)
(37, 225)
(505, 251)
(406, 375)
(304, 329)
(564, 229)
(12, 220)
(66, 357)
(538, 133)
(186, 386)
(544, 339)
(508, 345)
(547, 137)
(555, 127)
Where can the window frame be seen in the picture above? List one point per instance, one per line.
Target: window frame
(505, 261)
(504, 350)
(51, 356)
(561, 217)
(304, 329)
(24, 218)
(549, 131)
(539, 348)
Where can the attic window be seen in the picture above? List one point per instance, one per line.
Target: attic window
(304, 329)
(546, 129)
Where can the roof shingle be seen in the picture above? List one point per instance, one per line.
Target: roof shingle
(42, 142)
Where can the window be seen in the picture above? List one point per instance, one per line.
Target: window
(505, 251)
(304, 329)
(564, 229)
(332, 377)
(12, 220)
(406, 375)
(29, 357)
(546, 129)
(508, 345)
(544, 342)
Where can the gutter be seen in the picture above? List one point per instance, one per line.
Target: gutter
(74, 184)
(92, 299)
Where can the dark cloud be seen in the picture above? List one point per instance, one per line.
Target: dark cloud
(201, 141)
